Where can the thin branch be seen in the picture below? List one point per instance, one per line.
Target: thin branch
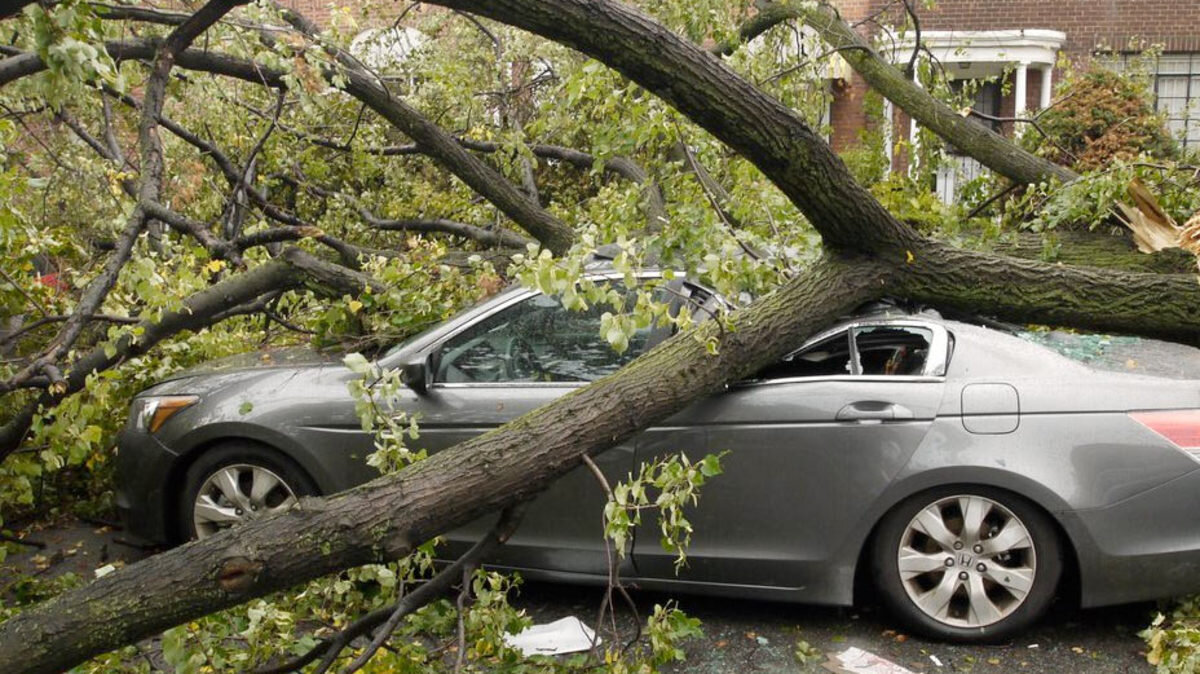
(489, 237)
(614, 576)
(991, 200)
(110, 137)
(464, 593)
(200, 231)
(910, 69)
(1032, 121)
(150, 183)
(497, 46)
(28, 298)
(48, 320)
(245, 178)
(716, 196)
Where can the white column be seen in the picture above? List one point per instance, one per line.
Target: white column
(1020, 89)
(1047, 85)
(914, 139)
(889, 122)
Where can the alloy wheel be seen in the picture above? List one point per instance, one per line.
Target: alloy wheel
(236, 493)
(966, 561)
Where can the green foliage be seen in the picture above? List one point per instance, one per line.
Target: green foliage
(1174, 641)
(375, 395)
(666, 485)
(1090, 201)
(1102, 116)
(805, 653)
(667, 626)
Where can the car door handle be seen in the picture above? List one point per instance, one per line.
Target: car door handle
(874, 410)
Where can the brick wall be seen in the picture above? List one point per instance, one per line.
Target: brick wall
(1089, 24)
(846, 112)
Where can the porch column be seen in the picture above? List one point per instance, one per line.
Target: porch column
(1047, 84)
(914, 138)
(889, 122)
(1020, 89)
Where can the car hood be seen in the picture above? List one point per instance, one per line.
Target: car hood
(240, 369)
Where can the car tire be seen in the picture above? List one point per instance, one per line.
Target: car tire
(238, 481)
(968, 564)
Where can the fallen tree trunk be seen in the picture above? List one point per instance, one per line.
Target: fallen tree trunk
(1096, 250)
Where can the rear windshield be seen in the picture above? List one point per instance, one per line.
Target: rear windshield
(1121, 354)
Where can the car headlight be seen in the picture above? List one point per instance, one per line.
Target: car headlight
(150, 413)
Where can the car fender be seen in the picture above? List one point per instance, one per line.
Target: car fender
(910, 485)
(201, 438)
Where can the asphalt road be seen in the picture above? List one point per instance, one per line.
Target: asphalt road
(739, 636)
(754, 636)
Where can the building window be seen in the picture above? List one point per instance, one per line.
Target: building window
(1177, 93)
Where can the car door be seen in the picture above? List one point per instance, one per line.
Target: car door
(812, 441)
(513, 360)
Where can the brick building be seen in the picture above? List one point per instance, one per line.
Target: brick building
(1018, 42)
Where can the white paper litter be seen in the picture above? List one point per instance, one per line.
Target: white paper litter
(568, 635)
(104, 570)
(855, 660)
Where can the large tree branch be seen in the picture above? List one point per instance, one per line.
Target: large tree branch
(1030, 291)
(757, 126)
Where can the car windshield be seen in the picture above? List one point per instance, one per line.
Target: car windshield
(437, 327)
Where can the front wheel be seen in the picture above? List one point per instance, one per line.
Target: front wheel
(967, 564)
(237, 482)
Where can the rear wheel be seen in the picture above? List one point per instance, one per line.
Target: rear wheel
(969, 564)
(238, 482)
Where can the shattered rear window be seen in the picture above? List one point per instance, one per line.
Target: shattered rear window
(1121, 354)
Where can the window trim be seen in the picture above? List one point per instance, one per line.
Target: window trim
(936, 364)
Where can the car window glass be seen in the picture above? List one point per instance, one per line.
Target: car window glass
(827, 357)
(892, 349)
(537, 340)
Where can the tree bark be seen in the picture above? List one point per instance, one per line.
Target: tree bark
(1028, 291)
(1096, 249)
(386, 518)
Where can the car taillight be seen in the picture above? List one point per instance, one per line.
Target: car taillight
(1181, 427)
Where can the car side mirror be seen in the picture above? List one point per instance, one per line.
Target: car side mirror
(417, 375)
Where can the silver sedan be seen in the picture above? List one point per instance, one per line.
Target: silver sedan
(958, 471)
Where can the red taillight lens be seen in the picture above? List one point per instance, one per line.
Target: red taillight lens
(1181, 427)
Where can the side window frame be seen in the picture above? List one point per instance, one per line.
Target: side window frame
(936, 363)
